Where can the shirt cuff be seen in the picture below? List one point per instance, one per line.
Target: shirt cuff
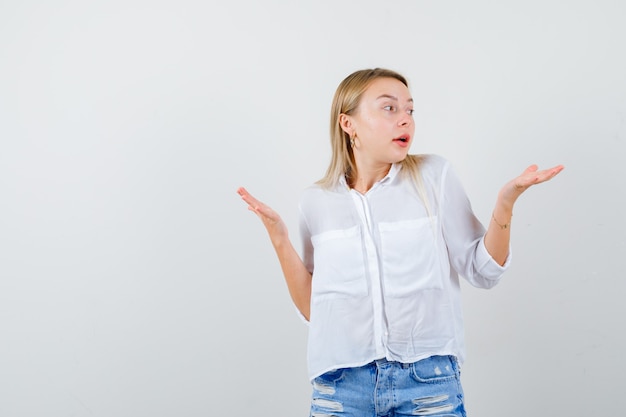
(488, 267)
(304, 320)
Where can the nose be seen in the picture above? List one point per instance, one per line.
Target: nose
(405, 120)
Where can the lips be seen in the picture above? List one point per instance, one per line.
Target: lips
(403, 140)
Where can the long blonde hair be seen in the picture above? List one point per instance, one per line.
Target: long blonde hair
(346, 100)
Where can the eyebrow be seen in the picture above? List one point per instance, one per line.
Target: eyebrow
(391, 97)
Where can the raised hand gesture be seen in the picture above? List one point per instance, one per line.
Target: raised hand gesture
(296, 275)
(498, 233)
(531, 176)
(271, 220)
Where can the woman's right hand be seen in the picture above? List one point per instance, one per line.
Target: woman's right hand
(271, 220)
(296, 275)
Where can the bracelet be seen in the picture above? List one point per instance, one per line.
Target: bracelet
(502, 226)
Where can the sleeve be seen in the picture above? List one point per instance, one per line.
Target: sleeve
(305, 241)
(464, 235)
(307, 250)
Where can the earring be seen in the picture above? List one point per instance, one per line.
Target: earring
(353, 140)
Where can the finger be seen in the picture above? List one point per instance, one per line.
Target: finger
(523, 181)
(248, 198)
(259, 213)
(262, 211)
(530, 169)
(546, 174)
(244, 193)
(555, 170)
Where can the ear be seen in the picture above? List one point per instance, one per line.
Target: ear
(346, 124)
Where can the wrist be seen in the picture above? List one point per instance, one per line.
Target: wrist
(502, 226)
(505, 202)
(279, 242)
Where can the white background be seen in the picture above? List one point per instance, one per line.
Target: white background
(134, 282)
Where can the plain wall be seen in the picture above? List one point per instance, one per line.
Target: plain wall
(134, 282)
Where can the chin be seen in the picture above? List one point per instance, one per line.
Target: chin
(399, 158)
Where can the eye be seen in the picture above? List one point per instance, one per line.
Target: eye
(410, 112)
(389, 108)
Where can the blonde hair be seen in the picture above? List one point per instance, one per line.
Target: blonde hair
(346, 101)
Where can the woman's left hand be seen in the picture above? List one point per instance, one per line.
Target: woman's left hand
(498, 234)
(531, 176)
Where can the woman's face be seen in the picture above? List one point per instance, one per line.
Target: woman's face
(383, 123)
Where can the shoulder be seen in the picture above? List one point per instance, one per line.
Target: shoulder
(312, 191)
(431, 165)
(434, 160)
(316, 194)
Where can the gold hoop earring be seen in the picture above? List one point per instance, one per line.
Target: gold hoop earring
(353, 140)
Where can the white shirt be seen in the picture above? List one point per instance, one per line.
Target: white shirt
(385, 274)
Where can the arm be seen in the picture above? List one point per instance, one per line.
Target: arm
(296, 275)
(499, 231)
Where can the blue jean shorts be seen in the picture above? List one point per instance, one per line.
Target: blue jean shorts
(429, 387)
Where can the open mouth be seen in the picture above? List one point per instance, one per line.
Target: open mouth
(403, 139)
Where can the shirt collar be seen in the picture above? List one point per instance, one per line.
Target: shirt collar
(393, 171)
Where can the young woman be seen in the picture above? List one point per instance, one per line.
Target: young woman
(385, 237)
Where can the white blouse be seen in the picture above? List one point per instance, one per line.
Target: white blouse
(386, 273)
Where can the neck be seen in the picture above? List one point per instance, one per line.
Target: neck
(364, 179)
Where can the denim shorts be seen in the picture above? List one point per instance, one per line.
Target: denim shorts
(429, 387)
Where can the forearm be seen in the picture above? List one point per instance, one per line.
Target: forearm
(297, 277)
(499, 231)
(498, 236)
